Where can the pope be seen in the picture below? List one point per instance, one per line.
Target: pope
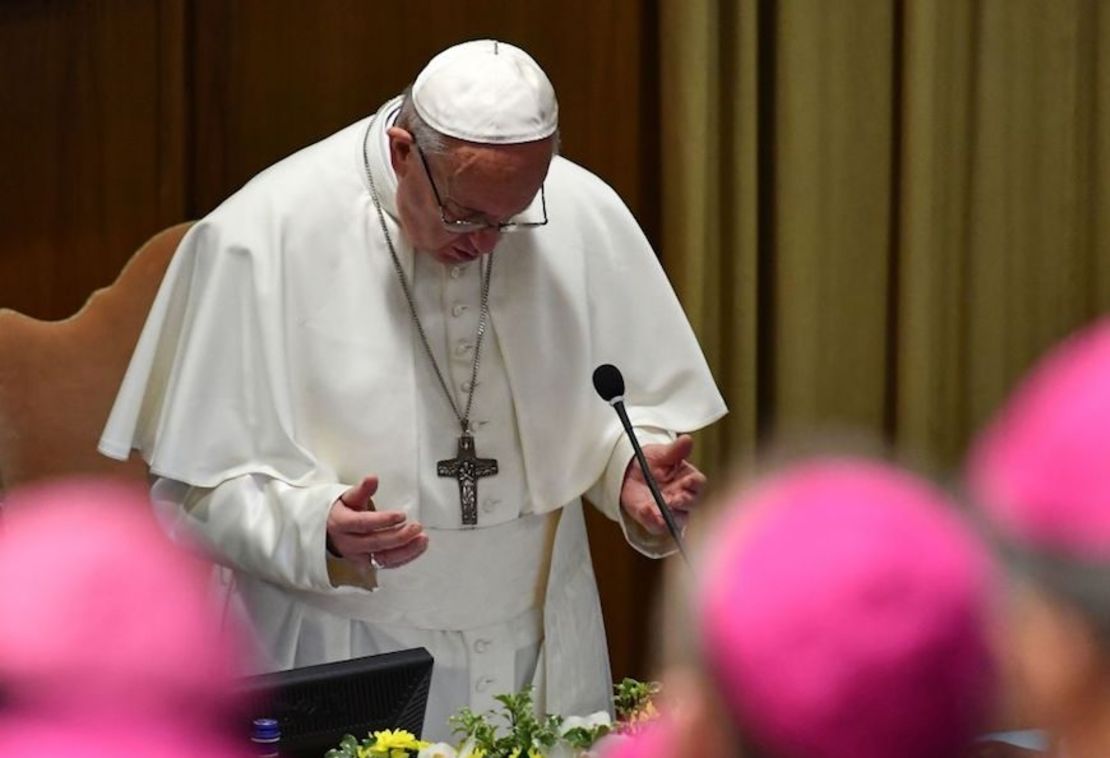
(365, 386)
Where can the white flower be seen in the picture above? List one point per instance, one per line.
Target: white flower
(594, 720)
(438, 750)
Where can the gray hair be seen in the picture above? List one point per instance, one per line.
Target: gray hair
(430, 140)
(409, 119)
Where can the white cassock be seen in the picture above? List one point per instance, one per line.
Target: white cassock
(279, 365)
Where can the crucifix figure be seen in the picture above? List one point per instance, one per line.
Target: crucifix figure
(468, 468)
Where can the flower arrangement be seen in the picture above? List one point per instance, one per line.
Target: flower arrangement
(514, 730)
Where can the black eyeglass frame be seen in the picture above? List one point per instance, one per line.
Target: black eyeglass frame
(463, 226)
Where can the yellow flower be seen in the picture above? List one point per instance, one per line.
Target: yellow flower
(390, 743)
(532, 753)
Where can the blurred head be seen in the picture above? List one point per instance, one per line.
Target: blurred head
(107, 635)
(1040, 474)
(471, 148)
(842, 612)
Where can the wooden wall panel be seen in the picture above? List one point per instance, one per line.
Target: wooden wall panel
(274, 75)
(90, 143)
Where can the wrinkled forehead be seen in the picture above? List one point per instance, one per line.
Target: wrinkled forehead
(498, 162)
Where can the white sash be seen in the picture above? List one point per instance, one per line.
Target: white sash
(467, 579)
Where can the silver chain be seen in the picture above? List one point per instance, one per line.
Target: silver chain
(483, 319)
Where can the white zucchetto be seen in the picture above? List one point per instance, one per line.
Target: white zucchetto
(488, 92)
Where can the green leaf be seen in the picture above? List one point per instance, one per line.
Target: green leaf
(631, 696)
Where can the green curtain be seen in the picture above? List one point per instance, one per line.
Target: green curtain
(879, 213)
(710, 223)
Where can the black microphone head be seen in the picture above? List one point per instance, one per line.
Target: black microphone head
(608, 382)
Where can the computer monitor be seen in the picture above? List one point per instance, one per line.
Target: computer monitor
(316, 705)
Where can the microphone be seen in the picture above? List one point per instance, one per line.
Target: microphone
(609, 384)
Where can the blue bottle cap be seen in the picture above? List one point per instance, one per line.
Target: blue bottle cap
(265, 729)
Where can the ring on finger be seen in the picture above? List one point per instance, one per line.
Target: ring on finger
(375, 562)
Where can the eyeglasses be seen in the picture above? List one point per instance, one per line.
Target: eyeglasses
(469, 226)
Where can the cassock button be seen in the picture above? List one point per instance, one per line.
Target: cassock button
(489, 504)
(458, 309)
(484, 683)
(481, 646)
(457, 271)
(463, 348)
(465, 386)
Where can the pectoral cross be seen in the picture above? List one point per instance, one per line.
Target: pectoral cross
(468, 468)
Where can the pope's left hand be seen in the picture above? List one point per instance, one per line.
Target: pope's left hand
(678, 480)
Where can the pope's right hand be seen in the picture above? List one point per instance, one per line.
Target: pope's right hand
(366, 536)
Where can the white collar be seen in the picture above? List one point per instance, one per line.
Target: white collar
(374, 154)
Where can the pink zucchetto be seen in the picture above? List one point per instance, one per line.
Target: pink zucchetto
(656, 739)
(109, 644)
(843, 611)
(1041, 470)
